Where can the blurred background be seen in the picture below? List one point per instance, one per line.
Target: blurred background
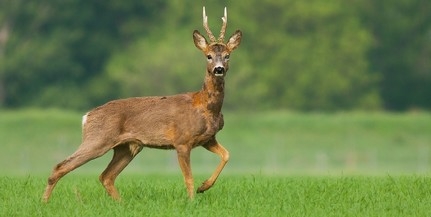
(313, 56)
(300, 55)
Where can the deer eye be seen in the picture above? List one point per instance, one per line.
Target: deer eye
(226, 57)
(209, 57)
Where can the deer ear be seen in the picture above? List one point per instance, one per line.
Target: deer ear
(234, 40)
(200, 41)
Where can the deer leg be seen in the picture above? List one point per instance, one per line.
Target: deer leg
(80, 157)
(216, 148)
(183, 153)
(123, 155)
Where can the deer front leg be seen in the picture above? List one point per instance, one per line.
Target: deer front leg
(183, 153)
(214, 147)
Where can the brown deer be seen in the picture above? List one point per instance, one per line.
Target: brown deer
(179, 122)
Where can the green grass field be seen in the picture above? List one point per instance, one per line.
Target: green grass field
(164, 195)
(282, 164)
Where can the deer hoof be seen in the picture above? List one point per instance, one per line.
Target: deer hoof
(205, 186)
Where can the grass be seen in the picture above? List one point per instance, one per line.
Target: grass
(165, 195)
(282, 164)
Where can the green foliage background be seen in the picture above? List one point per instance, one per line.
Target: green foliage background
(300, 55)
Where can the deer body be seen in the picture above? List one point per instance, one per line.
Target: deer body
(179, 122)
(157, 122)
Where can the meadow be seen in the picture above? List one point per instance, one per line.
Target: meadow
(282, 164)
(164, 195)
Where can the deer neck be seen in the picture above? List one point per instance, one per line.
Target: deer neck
(212, 93)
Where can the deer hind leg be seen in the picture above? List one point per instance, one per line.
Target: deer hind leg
(214, 147)
(123, 155)
(183, 153)
(77, 159)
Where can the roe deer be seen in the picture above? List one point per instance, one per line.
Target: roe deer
(179, 122)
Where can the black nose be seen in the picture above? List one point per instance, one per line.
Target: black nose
(219, 70)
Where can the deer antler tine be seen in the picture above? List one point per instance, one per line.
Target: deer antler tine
(223, 27)
(207, 29)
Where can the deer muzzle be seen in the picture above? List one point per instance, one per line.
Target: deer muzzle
(219, 71)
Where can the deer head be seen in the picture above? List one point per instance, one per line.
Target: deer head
(217, 51)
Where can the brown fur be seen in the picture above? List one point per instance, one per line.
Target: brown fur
(179, 122)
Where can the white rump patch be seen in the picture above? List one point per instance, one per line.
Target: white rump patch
(84, 119)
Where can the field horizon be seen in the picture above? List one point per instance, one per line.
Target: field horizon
(272, 143)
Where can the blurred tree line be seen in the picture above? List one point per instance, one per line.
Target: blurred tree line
(301, 55)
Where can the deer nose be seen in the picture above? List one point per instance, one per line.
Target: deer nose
(219, 70)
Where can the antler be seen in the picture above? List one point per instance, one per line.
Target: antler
(223, 27)
(207, 29)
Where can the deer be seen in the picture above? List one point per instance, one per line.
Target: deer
(180, 122)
